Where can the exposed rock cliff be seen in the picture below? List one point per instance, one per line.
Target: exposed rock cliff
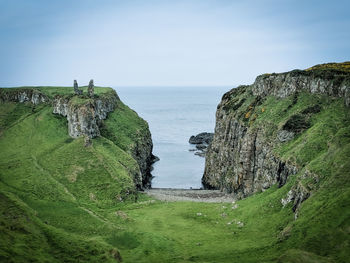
(23, 95)
(84, 115)
(142, 153)
(334, 83)
(242, 157)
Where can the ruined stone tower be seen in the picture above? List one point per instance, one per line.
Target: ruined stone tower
(91, 89)
(76, 88)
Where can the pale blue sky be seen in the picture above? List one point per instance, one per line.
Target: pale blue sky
(166, 43)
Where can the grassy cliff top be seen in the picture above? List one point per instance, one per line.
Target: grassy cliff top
(323, 71)
(344, 66)
(51, 91)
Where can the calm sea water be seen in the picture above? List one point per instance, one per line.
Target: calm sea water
(174, 114)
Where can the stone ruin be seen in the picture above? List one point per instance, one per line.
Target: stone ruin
(91, 89)
(76, 88)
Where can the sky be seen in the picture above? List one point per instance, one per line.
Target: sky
(166, 43)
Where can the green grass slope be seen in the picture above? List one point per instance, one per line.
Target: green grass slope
(45, 172)
(324, 151)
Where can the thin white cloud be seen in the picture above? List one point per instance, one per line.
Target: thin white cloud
(186, 43)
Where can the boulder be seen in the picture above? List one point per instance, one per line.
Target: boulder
(201, 138)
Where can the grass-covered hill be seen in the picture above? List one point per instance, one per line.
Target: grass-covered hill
(45, 172)
(63, 202)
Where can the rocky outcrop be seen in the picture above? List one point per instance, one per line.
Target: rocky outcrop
(305, 185)
(60, 105)
(201, 138)
(83, 114)
(241, 158)
(335, 83)
(297, 195)
(82, 120)
(23, 95)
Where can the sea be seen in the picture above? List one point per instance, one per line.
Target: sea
(173, 115)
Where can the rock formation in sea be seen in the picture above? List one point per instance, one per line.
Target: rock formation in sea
(201, 141)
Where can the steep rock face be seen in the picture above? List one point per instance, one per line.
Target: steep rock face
(60, 105)
(23, 95)
(84, 116)
(82, 120)
(241, 158)
(142, 153)
(333, 83)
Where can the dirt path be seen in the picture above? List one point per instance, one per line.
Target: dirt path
(174, 195)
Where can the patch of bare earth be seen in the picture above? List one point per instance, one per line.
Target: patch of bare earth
(75, 170)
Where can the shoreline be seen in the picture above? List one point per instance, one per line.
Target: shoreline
(193, 195)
